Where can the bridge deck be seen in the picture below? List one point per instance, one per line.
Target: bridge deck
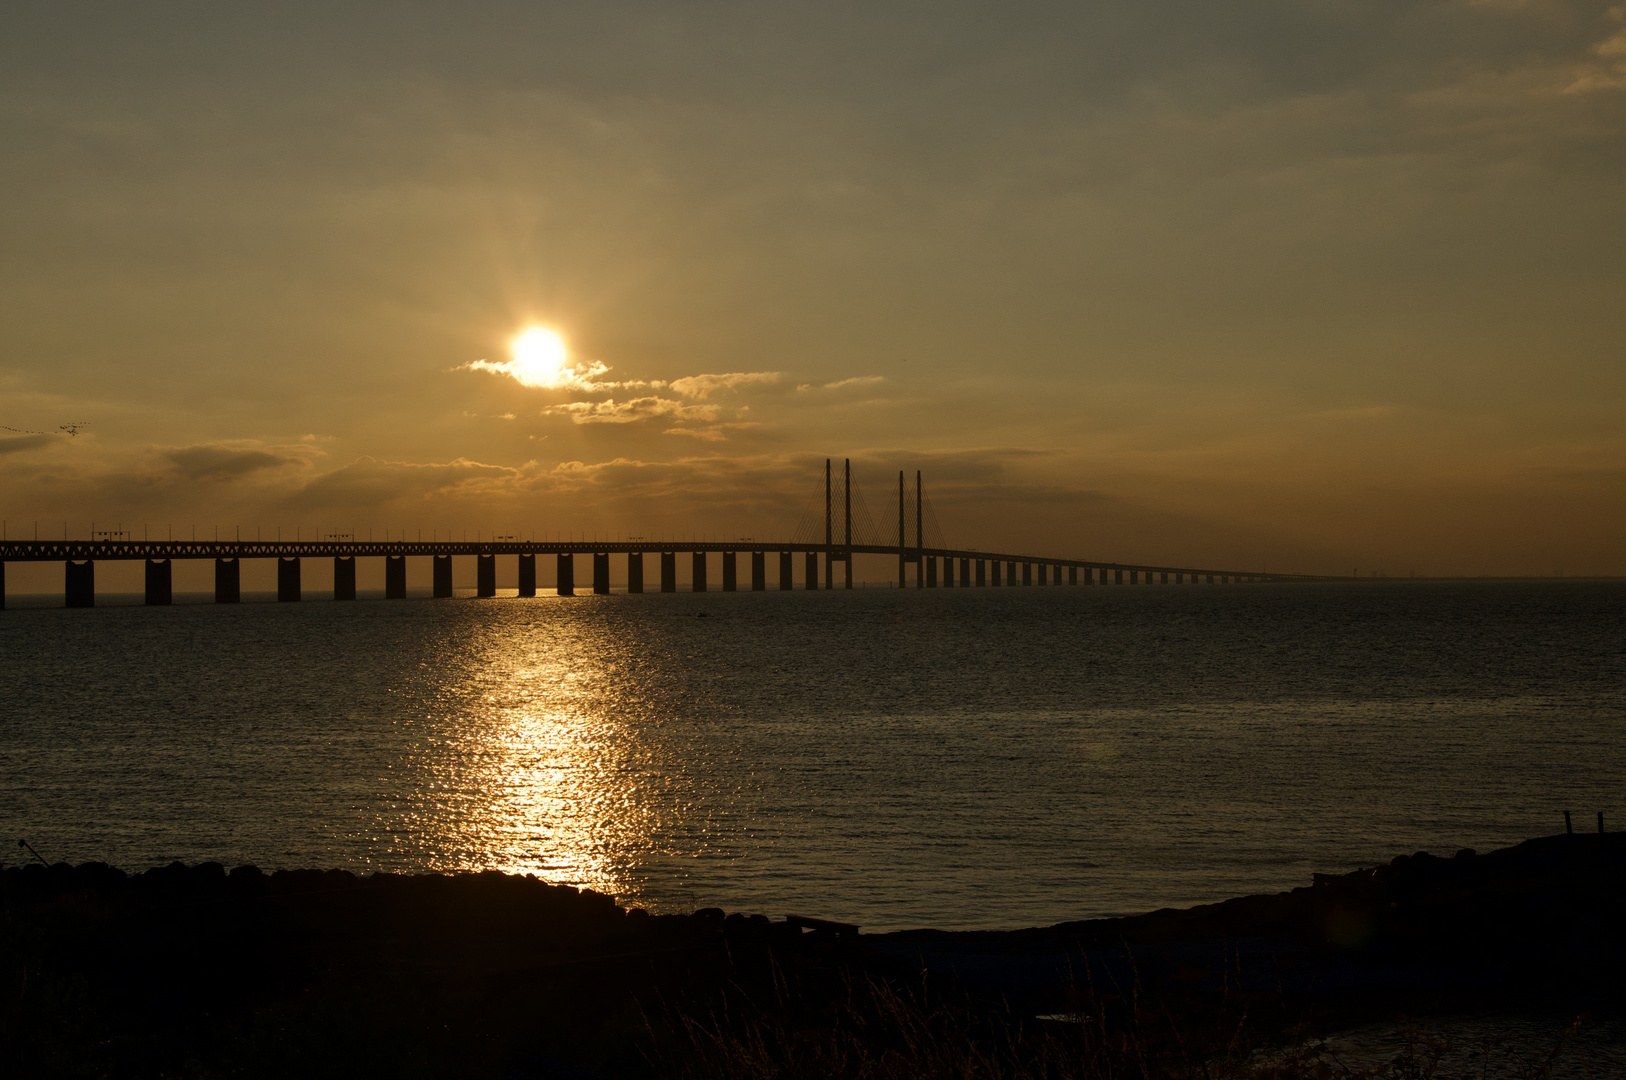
(114, 550)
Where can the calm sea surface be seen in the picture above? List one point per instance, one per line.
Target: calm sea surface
(956, 758)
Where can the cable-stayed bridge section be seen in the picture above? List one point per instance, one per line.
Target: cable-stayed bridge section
(935, 563)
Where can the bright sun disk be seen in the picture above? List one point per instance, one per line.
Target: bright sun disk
(540, 357)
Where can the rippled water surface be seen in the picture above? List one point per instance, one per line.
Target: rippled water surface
(957, 758)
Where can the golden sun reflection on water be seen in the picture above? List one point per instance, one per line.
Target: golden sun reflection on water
(539, 774)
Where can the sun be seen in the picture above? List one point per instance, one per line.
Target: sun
(540, 358)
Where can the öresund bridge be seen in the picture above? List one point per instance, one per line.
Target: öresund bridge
(935, 565)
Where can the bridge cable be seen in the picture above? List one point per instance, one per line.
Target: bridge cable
(935, 537)
(810, 527)
(864, 530)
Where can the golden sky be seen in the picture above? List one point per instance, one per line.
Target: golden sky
(1302, 286)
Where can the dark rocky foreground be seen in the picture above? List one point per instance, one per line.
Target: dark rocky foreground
(1543, 922)
(197, 971)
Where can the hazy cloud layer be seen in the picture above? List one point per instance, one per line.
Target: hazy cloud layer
(368, 484)
(16, 444)
(228, 461)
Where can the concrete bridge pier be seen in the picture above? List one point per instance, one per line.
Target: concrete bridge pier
(564, 574)
(288, 580)
(601, 574)
(1044, 574)
(982, 573)
(395, 577)
(2, 586)
(1072, 575)
(931, 571)
(812, 570)
(759, 571)
(668, 571)
(443, 576)
(79, 583)
(228, 581)
(698, 573)
(995, 566)
(344, 577)
(527, 575)
(730, 571)
(485, 575)
(1027, 573)
(948, 573)
(635, 571)
(787, 571)
(158, 577)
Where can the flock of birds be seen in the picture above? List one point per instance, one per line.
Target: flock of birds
(69, 430)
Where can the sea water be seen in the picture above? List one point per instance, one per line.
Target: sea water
(957, 758)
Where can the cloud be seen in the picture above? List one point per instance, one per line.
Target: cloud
(701, 386)
(544, 377)
(1610, 72)
(586, 378)
(713, 433)
(845, 384)
(17, 443)
(369, 482)
(707, 479)
(231, 460)
(631, 411)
